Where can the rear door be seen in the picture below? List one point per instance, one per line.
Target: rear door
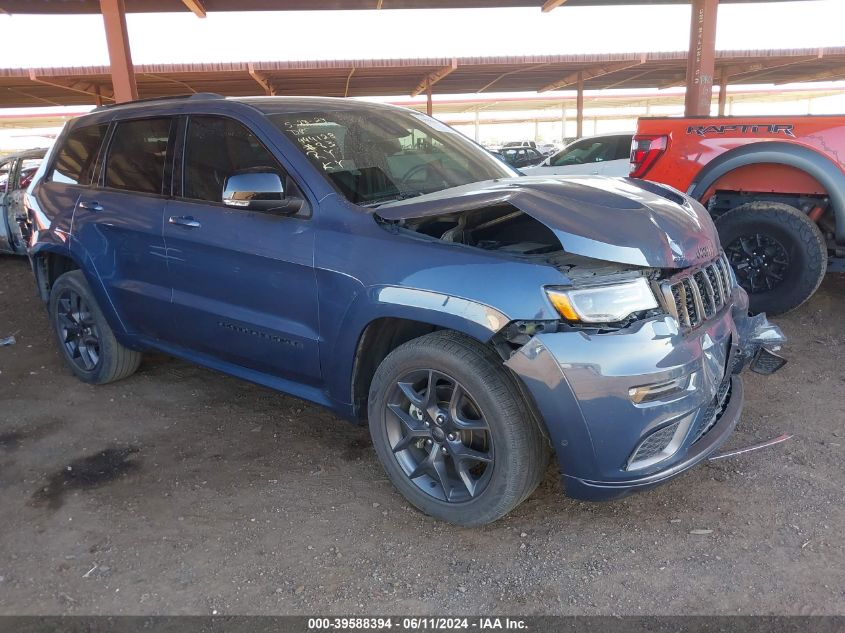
(118, 223)
(244, 288)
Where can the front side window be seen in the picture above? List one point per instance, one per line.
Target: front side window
(372, 155)
(77, 157)
(216, 148)
(586, 151)
(137, 155)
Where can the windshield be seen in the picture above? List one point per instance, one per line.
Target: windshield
(375, 156)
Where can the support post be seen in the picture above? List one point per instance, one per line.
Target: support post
(120, 55)
(701, 60)
(562, 123)
(723, 91)
(579, 106)
(477, 126)
(429, 105)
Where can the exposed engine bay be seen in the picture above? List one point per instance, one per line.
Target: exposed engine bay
(505, 229)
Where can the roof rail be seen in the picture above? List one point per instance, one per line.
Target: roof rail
(194, 95)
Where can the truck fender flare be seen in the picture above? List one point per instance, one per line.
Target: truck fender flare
(818, 166)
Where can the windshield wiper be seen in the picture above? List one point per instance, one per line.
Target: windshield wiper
(385, 200)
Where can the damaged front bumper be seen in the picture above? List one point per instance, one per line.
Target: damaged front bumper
(630, 409)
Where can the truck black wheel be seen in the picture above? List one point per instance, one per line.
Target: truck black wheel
(453, 431)
(778, 254)
(85, 338)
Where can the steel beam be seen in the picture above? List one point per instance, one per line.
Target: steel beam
(701, 59)
(551, 4)
(120, 55)
(433, 77)
(196, 6)
(591, 73)
(723, 91)
(579, 106)
(83, 87)
(262, 80)
(832, 74)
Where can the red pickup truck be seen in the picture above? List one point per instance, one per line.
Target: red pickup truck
(775, 186)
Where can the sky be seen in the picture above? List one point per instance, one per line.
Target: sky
(44, 41)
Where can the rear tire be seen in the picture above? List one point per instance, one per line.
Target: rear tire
(84, 336)
(778, 254)
(427, 451)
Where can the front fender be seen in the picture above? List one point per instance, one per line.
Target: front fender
(440, 310)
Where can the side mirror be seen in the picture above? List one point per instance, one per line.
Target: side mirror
(259, 191)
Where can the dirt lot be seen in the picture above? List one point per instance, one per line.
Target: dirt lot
(183, 491)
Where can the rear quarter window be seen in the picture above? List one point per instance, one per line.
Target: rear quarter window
(76, 159)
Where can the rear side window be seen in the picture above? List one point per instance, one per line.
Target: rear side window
(76, 159)
(137, 155)
(216, 148)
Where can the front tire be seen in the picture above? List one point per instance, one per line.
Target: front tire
(84, 336)
(453, 431)
(778, 254)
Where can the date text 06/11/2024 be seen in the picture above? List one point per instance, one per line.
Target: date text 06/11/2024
(415, 624)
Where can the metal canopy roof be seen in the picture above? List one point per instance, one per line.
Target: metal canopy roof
(156, 6)
(20, 87)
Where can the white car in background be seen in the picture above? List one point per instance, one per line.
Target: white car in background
(605, 155)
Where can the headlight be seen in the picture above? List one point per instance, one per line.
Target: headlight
(603, 304)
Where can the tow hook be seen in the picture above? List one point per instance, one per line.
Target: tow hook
(753, 447)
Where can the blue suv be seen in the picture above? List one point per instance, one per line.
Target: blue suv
(372, 260)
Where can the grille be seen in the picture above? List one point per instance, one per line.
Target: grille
(654, 444)
(699, 295)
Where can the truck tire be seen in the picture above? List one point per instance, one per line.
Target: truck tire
(778, 254)
(453, 431)
(84, 336)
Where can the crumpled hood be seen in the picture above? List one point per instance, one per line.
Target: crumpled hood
(613, 219)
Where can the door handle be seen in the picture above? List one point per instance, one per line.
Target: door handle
(183, 220)
(91, 206)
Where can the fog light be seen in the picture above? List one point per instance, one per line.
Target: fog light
(660, 390)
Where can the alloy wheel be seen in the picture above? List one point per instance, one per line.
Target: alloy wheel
(78, 331)
(439, 436)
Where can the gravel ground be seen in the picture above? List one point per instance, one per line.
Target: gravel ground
(183, 491)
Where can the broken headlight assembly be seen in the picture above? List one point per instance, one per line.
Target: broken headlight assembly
(609, 303)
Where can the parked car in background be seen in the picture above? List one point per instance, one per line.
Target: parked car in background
(520, 157)
(16, 172)
(547, 149)
(433, 298)
(607, 155)
(531, 144)
(775, 186)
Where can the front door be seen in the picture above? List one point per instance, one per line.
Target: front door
(244, 288)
